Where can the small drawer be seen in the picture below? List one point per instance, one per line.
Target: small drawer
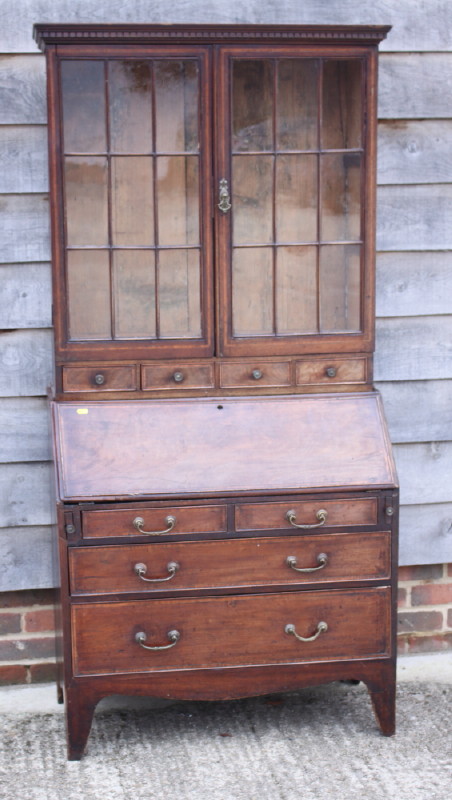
(157, 377)
(306, 514)
(259, 562)
(254, 374)
(156, 521)
(216, 632)
(100, 378)
(331, 370)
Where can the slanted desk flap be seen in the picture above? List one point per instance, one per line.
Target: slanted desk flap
(156, 448)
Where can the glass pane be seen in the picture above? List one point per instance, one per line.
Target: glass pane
(134, 294)
(85, 182)
(179, 282)
(132, 200)
(130, 98)
(252, 200)
(83, 88)
(178, 200)
(297, 105)
(88, 276)
(296, 290)
(340, 192)
(252, 105)
(342, 105)
(176, 106)
(252, 291)
(340, 288)
(296, 198)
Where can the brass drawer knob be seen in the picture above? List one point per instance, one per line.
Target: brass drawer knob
(322, 561)
(321, 516)
(322, 627)
(330, 372)
(257, 374)
(170, 522)
(178, 376)
(99, 379)
(173, 637)
(141, 569)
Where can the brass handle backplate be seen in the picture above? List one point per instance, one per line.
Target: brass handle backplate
(173, 637)
(170, 522)
(321, 516)
(322, 627)
(322, 560)
(224, 198)
(141, 569)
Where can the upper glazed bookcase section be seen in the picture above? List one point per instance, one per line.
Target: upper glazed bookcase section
(45, 34)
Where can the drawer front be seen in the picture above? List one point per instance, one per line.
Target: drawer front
(181, 566)
(177, 376)
(272, 516)
(220, 632)
(155, 521)
(334, 370)
(254, 374)
(99, 379)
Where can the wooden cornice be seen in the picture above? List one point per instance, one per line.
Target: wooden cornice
(61, 34)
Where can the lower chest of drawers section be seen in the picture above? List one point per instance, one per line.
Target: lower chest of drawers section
(216, 632)
(232, 583)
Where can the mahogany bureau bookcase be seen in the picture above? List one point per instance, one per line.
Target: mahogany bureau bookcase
(226, 494)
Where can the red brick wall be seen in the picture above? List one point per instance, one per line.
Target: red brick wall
(27, 637)
(27, 646)
(425, 609)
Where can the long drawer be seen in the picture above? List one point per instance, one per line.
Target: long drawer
(214, 632)
(259, 562)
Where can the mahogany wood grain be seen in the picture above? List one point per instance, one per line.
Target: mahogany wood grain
(230, 631)
(203, 447)
(246, 374)
(174, 376)
(332, 370)
(83, 379)
(268, 516)
(189, 519)
(230, 564)
(226, 684)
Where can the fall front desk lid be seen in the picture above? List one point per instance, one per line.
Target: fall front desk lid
(160, 448)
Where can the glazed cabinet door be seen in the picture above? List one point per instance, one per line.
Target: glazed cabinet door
(134, 259)
(292, 225)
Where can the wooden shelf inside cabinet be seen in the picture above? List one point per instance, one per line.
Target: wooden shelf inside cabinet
(222, 461)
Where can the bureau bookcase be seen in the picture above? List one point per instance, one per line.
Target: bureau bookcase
(226, 495)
